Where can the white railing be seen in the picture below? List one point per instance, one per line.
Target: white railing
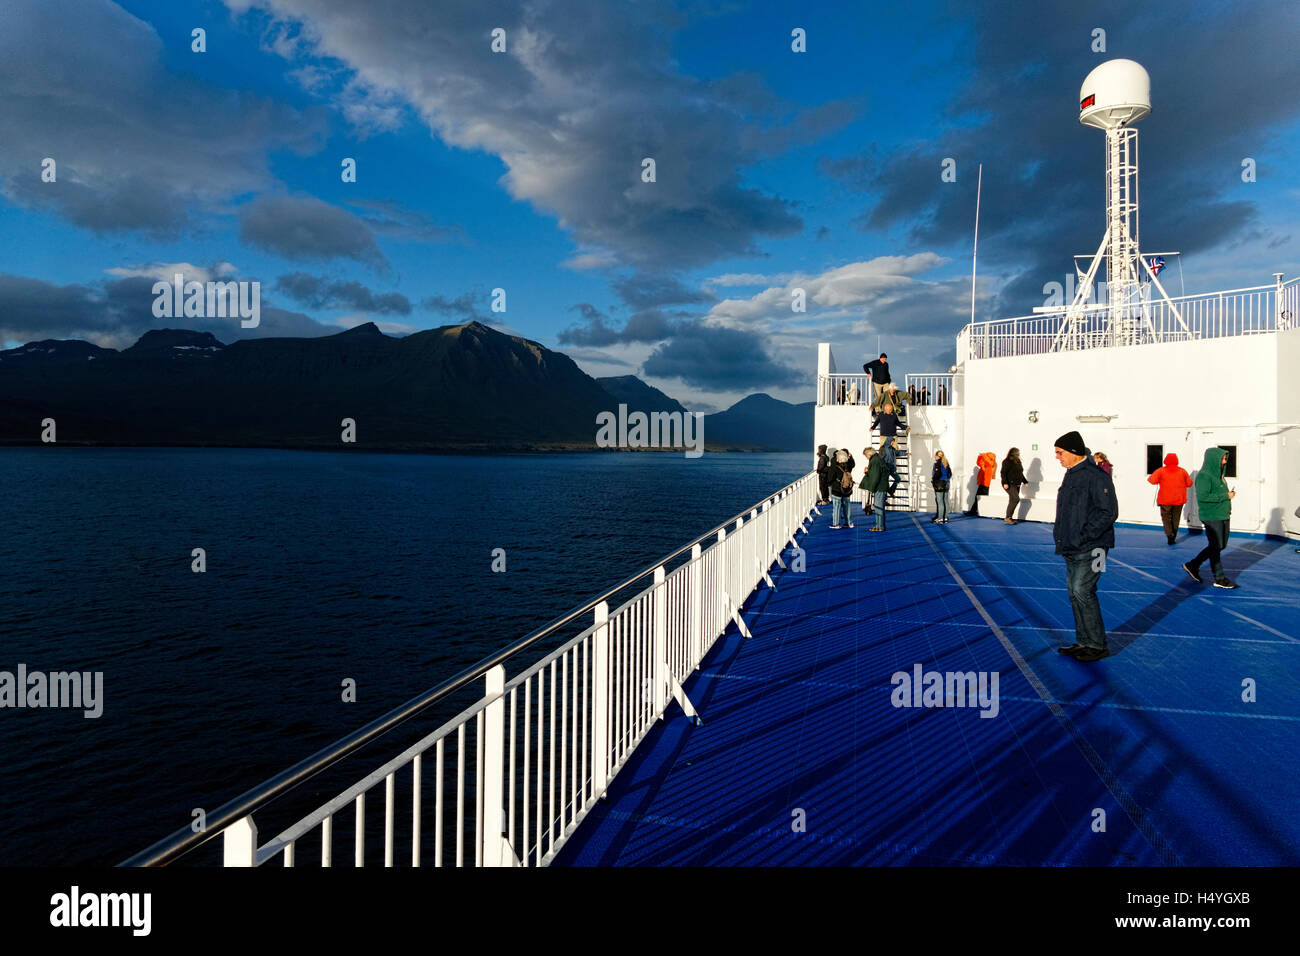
(930, 389)
(516, 772)
(846, 389)
(1208, 315)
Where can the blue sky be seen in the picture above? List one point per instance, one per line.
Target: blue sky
(521, 170)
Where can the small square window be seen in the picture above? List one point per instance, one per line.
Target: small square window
(1155, 457)
(1231, 470)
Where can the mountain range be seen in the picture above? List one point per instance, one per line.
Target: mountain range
(456, 388)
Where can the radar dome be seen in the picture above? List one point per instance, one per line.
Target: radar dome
(1115, 94)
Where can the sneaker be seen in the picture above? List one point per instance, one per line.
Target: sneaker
(850, 524)
(1193, 572)
(836, 527)
(1225, 583)
(1007, 521)
(1071, 649)
(1087, 655)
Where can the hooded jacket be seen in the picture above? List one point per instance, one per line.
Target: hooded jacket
(987, 463)
(1173, 482)
(1086, 509)
(837, 471)
(876, 477)
(1212, 499)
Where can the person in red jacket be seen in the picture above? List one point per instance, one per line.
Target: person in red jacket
(987, 463)
(1171, 497)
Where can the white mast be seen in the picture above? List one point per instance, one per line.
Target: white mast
(1113, 97)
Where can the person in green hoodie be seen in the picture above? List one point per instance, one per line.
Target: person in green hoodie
(1214, 501)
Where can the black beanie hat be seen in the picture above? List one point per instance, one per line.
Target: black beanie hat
(1072, 442)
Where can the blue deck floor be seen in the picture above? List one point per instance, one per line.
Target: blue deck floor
(798, 720)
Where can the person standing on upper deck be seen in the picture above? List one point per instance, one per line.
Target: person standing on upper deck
(879, 372)
(1084, 531)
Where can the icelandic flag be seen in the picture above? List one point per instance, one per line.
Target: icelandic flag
(1157, 263)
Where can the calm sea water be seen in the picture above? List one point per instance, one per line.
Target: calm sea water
(320, 567)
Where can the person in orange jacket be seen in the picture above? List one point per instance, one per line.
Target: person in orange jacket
(1171, 497)
(987, 463)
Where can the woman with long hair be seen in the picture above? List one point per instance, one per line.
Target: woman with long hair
(1013, 476)
(940, 475)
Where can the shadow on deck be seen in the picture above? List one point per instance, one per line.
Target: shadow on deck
(799, 724)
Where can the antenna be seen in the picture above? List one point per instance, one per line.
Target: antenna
(975, 252)
(1113, 97)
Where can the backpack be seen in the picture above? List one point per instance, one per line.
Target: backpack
(846, 481)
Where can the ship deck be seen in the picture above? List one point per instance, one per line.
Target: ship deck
(798, 723)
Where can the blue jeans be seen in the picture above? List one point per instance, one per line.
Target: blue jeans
(941, 505)
(840, 507)
(880, 509)
(1082, 580)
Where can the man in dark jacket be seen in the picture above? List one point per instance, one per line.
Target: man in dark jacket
(823, 476)
(887, 422)
(879, 372)
(1086, 510)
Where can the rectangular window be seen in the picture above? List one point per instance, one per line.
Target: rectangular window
(1231, 470)
(1155, 457)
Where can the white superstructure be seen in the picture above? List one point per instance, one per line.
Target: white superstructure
(1139, 375)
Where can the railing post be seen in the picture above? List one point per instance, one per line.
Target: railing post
(494, 726)
(767, 534)
(720, 585)
(697, 606)
(240, 843)
(600, 702)
(736, 583)
(661, 643)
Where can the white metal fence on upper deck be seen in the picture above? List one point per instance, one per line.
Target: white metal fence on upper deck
(935, 388)
(507, 780)
(1187, 318)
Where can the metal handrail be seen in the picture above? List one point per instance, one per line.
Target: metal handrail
(185, 840)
